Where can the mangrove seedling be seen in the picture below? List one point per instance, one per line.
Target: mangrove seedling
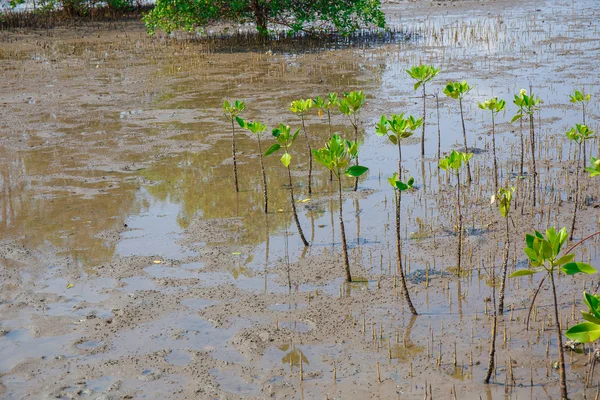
(594, 168)
(423, 74)
(285, 139)
(581, 98)
(300, 108)
(543, 253)
(337, 156)
(326, 105)
(495, 106)
(453, 163)
(258, 129)
(578, 134)
(458, 91)
(350, 105)
(396, 128)
(232, 111)
(504, 198)
(528, 104)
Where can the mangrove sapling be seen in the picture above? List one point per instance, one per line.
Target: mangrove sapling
(578, 134)
(350, 106)
(504, 198)
(337, 156)
(589, 331)
(396, 128)
(258, 129)
(454, 162)
(300, 108)
(594, 168)
(528, 104)
(285, 140)
(457, 91)
(326, 105)
(495, 106)
(492, 355)
(544, 256)
(583, 99)
(423, 74)
(232, 111)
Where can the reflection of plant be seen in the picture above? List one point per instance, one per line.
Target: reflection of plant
(300, 108)
(583, 99)
(232, 111)
(294, 356)
(350, 106)
(578, 134)
(285, 139)
(257, 128)
(336, 156)
(454, 162)
(422, 74)
(544, 256)
(495, 106)
(457, 91)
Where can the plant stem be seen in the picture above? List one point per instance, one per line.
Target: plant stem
(294, 209)
(561, 350)
(330, 134)
(494, 151)
(235, 175)
(424, 118)
(532, 139)
(504, 270)
(399, 237)
(264, 175)
(355, 124)
(310, 156)
(492, 355)
(437, 105)
(462, 119)
(522, 147)
(460, 222)
(576, 191)
(343, 233)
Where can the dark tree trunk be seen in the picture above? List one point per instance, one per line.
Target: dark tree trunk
(260, 16)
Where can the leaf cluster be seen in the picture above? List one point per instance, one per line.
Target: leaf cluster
(543, 253)
(587, 332)
(253, 126)
(285, 139)
(455, 160)
(396, 127)
(232, 110)
(337, 155)
(457, 90)
(504, 199)
(422, 74)
(579, 133)
(301, 106)
(527, 104)
(399, 185)
(594, 168)
(494, 105)
(579, 97)
(351, 103)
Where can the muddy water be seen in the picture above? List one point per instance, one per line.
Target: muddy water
(130, 267)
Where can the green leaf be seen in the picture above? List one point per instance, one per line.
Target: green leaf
(523, 272)
(286, 159)
(590, 317)
(241, 122)
(356, 170)
(578, 267)
(401, 186)
(564, 259)
(516, 118)
(272, 149)
(586, 332)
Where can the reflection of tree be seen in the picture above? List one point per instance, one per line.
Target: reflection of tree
(45, 211)
(242, 268)
(407, 350)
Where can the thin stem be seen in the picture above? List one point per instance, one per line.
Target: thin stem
(494, 151)
(576, 192)
(504, 270)
(264, 175)
(355, 124)
(343, 233)
(522, 147)
(294, 209)
(561, 350)
(492, 354)
(462, 119)
(437, 104)
(460, 222)
(310, 156)
(234, 159)
(424, 118)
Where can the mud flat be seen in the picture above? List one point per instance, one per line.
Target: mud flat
(130, 268)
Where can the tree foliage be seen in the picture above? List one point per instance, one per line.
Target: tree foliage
(342, 16)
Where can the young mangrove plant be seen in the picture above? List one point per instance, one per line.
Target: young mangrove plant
(258, 129)
(594, 168)
(337, 156)
(453, 163)
(285, 139)
(326, 105)
(300, 108)
(589, 331)
(458, 91)
(504, 198)
(578, 134)
(494, 106)
(232, 111)
(396, 128)
(543, 253)
(350, 105)
(528, 104)
(581, 98)
(423, 74)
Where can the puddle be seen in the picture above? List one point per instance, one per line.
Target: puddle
(89, 345)
(230, 383)
(198, 304)
(287, 306)
(296, 326)
(161, 271)
(179, 358)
